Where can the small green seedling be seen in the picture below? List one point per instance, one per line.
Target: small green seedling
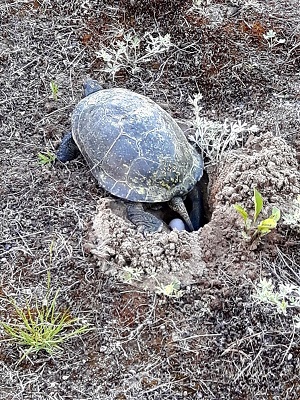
(54, 90)
(42, 327)
(132, 274)
(171, 290)
(293, 216)
(46, 158)
(287, 295)
(252, 229)
(271, 37)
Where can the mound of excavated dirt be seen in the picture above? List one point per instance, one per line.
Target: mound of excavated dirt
(160, 258)
(268, 164)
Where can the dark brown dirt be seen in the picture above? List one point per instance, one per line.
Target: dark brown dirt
(215, 341)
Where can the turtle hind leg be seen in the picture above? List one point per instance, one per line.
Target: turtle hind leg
(177, 204)
(146, 222)
(68, 149)
(196, 214)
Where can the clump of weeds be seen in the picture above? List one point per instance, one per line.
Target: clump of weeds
(47, 158)
(43, 326)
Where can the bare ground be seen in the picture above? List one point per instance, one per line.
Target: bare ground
(214, 342)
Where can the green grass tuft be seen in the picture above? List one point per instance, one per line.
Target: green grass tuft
(42, 327)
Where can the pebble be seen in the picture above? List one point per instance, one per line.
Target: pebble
(173, 237)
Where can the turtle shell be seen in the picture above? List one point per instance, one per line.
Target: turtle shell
(133, 147)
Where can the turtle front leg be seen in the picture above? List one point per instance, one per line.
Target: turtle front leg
(145, 222)
(177, 204)
(68, 149)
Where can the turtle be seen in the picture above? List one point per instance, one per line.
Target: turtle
(136, 151)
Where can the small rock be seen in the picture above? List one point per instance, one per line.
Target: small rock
(157, 251)
(173, 237)
(228, 191)
(172, 246)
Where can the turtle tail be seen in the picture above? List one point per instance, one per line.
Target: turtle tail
(177, 204)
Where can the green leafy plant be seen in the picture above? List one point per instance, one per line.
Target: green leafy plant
(170, 290)
(287, 295)
(130, 52)
(213, 138)
(271, 37)
(46, 158)
(253, 229)
(292, 217)
(132, 274)
(54, 90)
(43, 326)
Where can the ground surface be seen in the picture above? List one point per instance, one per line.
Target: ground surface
(214, 342)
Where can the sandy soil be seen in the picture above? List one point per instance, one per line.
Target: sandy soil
(214, 341)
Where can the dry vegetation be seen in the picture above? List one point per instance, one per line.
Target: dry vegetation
(216, 341)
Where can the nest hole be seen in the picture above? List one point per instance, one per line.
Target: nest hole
(165, 213)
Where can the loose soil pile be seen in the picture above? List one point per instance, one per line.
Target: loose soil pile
(215, 341)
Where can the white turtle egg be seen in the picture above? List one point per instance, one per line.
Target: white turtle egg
(177, 223)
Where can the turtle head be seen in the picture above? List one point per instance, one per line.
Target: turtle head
(91, 86)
